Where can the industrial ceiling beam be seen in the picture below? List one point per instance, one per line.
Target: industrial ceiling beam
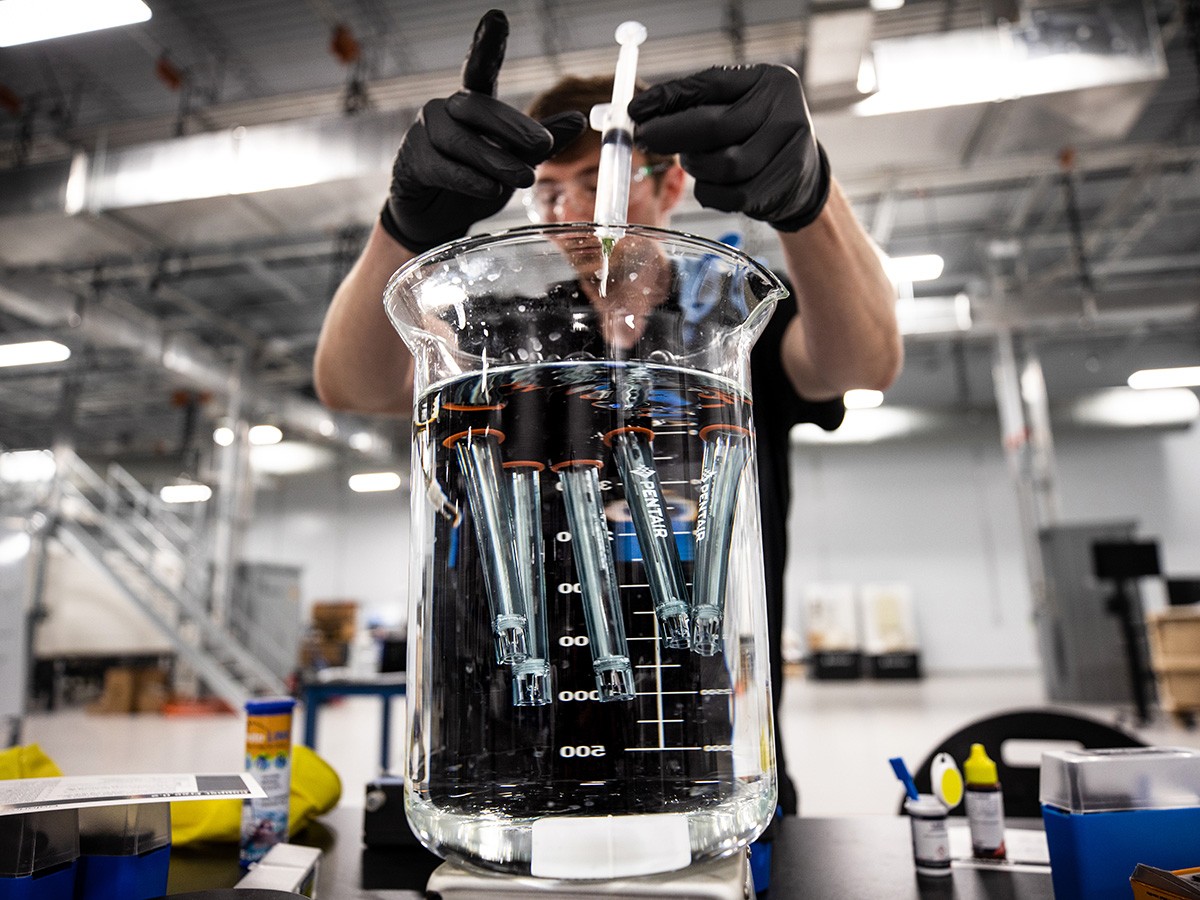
(116, 324)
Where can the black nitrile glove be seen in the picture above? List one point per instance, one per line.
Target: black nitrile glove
(464, 155)
(744, 134)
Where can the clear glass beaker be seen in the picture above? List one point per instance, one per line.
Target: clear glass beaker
(588, 685)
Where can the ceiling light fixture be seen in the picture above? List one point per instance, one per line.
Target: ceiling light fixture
(922, 267)
(26, 466)
(32, 353)
(1150, 379)
(290, 458)
(261, 435)
(1126, 408)
(860, 398)
(26, 21)
(866, 426)
(223, 436)
(366, 482)
(184, 493)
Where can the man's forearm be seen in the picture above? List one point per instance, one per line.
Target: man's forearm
(845, 334)
(361, 364)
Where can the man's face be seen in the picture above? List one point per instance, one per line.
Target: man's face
(566, 191)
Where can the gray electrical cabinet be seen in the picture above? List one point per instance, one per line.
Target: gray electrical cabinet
(1083, 654)
(265, 614)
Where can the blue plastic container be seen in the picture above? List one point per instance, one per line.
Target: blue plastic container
(55, 884)
(124, 877)
(38, 853)
(1093, 854)
(124, 851)
(1105, 811)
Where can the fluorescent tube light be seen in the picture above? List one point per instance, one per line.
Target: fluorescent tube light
(1149, 379)
(1127, 408)
(261, 435)
(862, 399)
(14, 548)
(185, 493)
(365, 482)
(923, 267)
(26, 21)
(32, 353)
(26, 466)
(289, 458)
(865, 426)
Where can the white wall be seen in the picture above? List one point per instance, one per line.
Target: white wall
(349, 546)
(938, 513)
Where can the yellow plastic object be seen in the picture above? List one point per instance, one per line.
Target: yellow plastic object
(27, 762)
(946, 780)
(979, 767)
(316, 789)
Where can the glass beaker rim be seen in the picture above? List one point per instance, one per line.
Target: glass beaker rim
(526, 232)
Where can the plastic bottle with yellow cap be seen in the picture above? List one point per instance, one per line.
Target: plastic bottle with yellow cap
(985, 805)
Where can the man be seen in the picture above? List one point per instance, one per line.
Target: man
(745, 136)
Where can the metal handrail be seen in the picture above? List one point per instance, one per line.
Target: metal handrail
(175, 530)
(217, 677)
(213, 634)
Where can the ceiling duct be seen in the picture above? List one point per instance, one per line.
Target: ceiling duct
(112, 325)
(1050, 49)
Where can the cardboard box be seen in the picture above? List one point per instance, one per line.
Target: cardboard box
(120, 688)
(335, 620)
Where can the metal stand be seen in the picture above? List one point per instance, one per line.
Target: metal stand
(722, 879)
(1126, 606)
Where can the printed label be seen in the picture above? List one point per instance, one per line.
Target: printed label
(985, 816)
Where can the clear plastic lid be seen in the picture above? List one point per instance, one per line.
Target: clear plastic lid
(33, 842)
(124, 830)
(1083, 781)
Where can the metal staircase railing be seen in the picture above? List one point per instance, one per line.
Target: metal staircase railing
(144, 551)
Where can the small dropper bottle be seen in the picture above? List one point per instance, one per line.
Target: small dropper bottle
(985, 805)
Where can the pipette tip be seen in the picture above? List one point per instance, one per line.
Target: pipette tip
(511, 646)
(675, 628)
(706, 633)
(614, 678)
(531, 683)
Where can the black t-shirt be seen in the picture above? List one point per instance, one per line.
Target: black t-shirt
(777, 408)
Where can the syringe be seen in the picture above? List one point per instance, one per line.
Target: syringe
(616, 139)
